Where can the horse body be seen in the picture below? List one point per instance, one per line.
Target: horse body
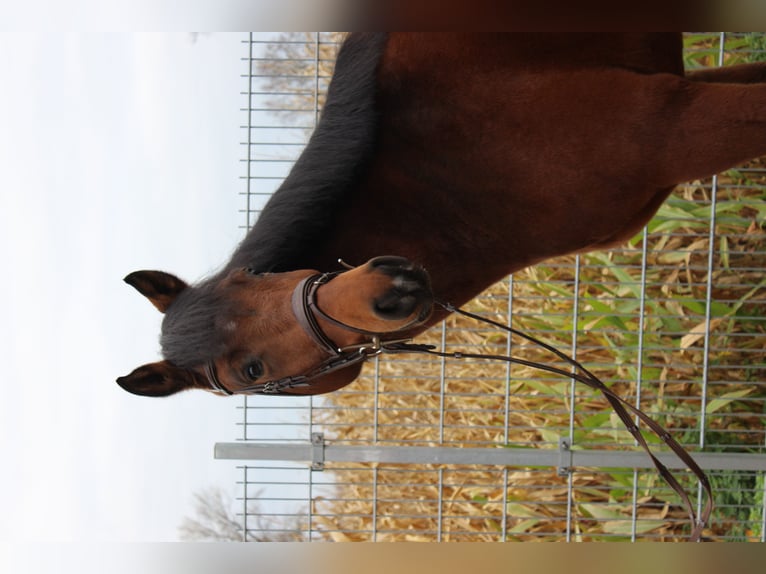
(498, 152)
(472, 156)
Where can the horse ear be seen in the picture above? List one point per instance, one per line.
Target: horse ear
(159, 287)
(158, 380)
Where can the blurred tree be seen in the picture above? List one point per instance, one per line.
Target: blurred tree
(216, 521)
(295, 69)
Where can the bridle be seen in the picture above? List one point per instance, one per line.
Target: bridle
(306, 310)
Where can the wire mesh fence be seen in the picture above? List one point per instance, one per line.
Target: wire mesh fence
(673, 321)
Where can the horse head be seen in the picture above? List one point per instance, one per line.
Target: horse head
(242, 331)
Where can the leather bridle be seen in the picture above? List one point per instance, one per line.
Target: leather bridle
(306, 310)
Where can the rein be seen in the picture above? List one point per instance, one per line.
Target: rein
(306, 309)
(620, 406)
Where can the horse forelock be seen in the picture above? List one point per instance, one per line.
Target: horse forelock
(190, 329)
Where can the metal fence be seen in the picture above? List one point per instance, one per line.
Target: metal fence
(433, 449)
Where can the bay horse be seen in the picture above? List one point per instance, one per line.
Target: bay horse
(446, 162)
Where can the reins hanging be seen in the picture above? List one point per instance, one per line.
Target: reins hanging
(620, 406)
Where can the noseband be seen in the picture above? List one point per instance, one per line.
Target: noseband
(306, 310)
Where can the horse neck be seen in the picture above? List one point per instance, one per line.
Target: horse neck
(452, 190)
(394, 212)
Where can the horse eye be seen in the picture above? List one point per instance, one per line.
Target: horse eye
(254, 370)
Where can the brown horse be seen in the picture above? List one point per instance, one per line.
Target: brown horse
(472, 156)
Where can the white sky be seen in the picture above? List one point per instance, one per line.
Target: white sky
(117, 153)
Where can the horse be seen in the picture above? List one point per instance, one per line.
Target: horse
(441, 163)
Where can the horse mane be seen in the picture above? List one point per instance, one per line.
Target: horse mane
(301, 211)
(305, 206)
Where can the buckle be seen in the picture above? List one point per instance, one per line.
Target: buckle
(368, 348)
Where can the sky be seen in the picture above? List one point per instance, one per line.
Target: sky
(117, 153)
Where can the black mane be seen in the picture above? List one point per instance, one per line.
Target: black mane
(305, 205)
(300, 211)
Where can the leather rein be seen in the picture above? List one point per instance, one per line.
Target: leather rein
(306, 310)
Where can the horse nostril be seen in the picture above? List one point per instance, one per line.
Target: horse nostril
(394, 306)
(403, 300)
(410, 288)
